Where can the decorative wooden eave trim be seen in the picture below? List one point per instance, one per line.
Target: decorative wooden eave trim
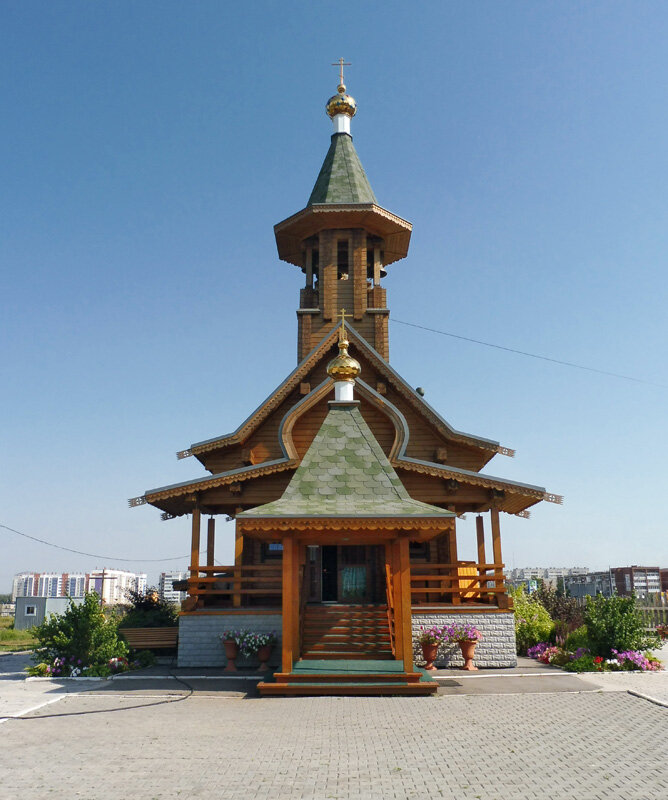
(222, 479)
(287, 524)
(291, 232)
(475, 479)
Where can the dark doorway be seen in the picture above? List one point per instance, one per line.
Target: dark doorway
(330, 574)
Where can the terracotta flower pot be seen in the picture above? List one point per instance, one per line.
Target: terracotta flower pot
(231, 654)
(468, 651)
(263, 654)
(429, 653)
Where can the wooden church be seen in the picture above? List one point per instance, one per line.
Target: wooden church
(345, 484)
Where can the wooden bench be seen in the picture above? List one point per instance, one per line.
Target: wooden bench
(150, 638)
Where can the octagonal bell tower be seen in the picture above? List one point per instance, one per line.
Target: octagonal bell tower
(342, 241)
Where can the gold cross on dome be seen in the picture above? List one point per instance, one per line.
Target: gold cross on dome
(342, 314)
(341, 64)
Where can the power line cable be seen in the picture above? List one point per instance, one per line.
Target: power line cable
(531, 355)
(91, 555)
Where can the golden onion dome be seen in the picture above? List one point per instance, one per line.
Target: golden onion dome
(341, 103)
(344, 367)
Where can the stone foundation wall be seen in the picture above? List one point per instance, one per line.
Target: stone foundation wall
(199, 638)
(496, 649)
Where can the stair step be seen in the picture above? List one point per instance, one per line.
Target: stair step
(351, 689)
(322, 655)
(351, 677)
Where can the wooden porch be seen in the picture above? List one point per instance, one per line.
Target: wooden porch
(260, 585)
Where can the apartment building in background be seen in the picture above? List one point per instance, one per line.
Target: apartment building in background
(166, 587)
(550, 576)
(641, 581)
(110, 584)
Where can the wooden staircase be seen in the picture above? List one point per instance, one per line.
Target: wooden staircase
(346, 631)
(346, 650)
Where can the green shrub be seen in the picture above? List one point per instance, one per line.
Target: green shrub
(38, 671)
(586, 663)
(144, 658)
(149, 610)
(82, 635)
(566, 612)
(577, 639)
(616, 623)
(532, 621)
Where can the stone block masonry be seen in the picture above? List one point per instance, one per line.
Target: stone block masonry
(496, 649)
(200, 644)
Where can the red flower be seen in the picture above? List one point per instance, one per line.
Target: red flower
(598, 660)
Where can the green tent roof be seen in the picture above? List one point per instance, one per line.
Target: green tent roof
(345, 473)
(342, 178)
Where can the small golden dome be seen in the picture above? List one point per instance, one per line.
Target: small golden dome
(341, 103)
(344, 367)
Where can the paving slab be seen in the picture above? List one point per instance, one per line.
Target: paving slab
(589, 746)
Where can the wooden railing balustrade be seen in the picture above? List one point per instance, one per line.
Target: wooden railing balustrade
(459, 583)
(390, 607)
(235, 585)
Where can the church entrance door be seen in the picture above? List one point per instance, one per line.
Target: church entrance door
(345, 574)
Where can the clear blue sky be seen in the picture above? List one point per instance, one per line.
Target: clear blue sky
(148, 149)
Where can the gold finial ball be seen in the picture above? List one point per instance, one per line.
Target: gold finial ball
(344, 367)
(341, 103)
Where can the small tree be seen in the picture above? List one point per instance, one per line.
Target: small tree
(148, 610)
(616, 623)
(565, 610)
(82, 634)
(533, 624)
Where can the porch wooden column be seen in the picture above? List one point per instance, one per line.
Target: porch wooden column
(238, 559)
(453, 559)
(501, 599)
(210, 541)
(406, 629)
(393, 550)
(480, 536)
(290, 602)
(194, 543)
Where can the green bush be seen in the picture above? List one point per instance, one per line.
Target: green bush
(144, 658)
(566, 612)
(533, 624)
(586, 663)
(82, 635)
(149, 610)
(577, 639)
(616, 623)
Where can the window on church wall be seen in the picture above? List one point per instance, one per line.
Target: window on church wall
(343, 259)
(419, 551)
(315, 268)
(272, 551)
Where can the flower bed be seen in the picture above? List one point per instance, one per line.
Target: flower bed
(581, 660)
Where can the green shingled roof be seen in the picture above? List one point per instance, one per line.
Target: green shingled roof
(342, 178)
(345, 473)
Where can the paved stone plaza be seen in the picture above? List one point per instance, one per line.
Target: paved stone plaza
(158, 739)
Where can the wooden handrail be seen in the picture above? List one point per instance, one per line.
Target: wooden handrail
(460, 581)
(244, 567)
(390, 607)
(457, 566)
(239, 581)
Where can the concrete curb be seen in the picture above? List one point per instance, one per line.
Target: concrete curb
(647, 697)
